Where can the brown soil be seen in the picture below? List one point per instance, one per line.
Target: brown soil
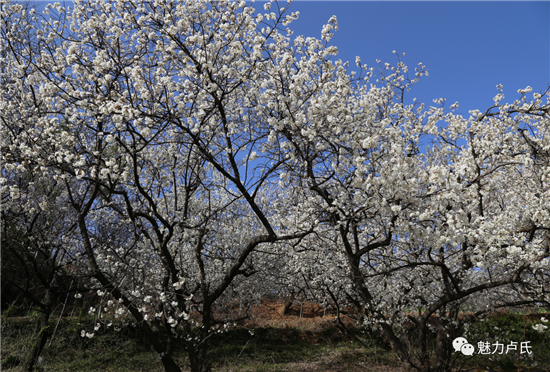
(308, 316)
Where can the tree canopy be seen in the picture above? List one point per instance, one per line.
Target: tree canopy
(205, 158)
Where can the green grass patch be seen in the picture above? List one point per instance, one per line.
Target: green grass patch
(269, 349)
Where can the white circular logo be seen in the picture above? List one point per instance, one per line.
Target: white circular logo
(462, 345)
(458, 342)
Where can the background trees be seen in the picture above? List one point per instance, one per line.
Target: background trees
(34, 254)
(195, 147)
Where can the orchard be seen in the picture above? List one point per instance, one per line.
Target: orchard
(182, 159)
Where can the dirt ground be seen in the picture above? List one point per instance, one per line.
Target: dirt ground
(308, 316)
(312, 317)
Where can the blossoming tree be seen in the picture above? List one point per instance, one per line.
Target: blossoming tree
(425, 230)
(197, 144)
(150, 114)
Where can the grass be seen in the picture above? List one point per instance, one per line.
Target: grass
(296, 345)
(125, 350)
(275, 349)
(269, 349)
(505, 328)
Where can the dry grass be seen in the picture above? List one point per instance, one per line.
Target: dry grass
(321, 347)
(306, 339)
(308, 316)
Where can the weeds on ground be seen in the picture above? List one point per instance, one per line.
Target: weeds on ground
(268, 349)
(108, 350)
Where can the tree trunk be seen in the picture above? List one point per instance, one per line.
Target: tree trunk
(42, 334)
(288, 303)
(198, 356)
(441, 346)
(199, 361)
(169, 364)
(443, 343)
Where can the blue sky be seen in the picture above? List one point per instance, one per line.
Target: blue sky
(468, 47)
